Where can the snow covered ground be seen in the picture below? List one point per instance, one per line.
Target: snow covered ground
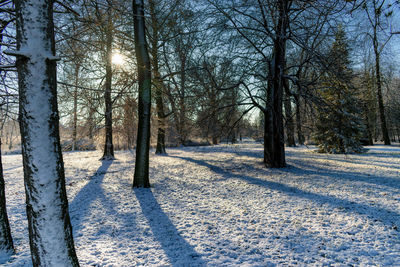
(218, 206)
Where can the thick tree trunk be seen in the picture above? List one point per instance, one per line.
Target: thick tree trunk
(6, 242)
(108, 146)
(274, 143)
(141, 177)
(50, 231)
(160, 149)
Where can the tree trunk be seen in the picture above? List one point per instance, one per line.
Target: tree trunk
(141, 177)
(382, 116)
(90, 122)
(368, 126)
(50, 231)
(108, 146)
(289, 122)
(182, 129)
(75, 112)
(300, 136)
(274, 143)
(6, 242)
(160, 149)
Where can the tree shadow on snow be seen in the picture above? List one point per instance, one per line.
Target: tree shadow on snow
(376, 213)
(304, 168)
(308, 168)
(89, 194)
(177, 249)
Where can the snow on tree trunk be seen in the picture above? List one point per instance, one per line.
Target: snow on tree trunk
(6, 242)
(50, 231)
(141, 177)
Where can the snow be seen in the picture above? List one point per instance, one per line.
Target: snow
(41, 157)
(219, 206)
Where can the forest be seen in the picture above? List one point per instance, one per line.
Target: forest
(199, 132)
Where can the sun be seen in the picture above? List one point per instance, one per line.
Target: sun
(118, 59)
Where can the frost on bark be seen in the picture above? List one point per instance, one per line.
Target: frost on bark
(50, 231)
(141, 177)
(6, 242)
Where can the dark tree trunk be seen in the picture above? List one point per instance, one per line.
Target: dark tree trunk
(274, 143)
(182, 129)
(382, 116)
(90, 122)
(141, 177)
(108, 146)
(75, 112)
(6, 242)
(289, 122)
(160, 149)
(368, 127)
(300, 136)
(50, 231)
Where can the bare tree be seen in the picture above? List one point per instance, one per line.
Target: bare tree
(50, 230)
(141, 176)
(6, 241)
(378, 12)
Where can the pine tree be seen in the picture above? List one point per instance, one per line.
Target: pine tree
(339, 126)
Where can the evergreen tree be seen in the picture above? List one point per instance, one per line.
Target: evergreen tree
(339, 126)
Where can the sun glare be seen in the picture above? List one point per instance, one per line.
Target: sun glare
(118, 59)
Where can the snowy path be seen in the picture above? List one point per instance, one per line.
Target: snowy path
(218, 206)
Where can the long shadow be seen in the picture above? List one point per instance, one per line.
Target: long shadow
(177, 249)
(12, 168)
(376, 213)
(351, 176)
(87, 194)
(93, 191)
(344, 175)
